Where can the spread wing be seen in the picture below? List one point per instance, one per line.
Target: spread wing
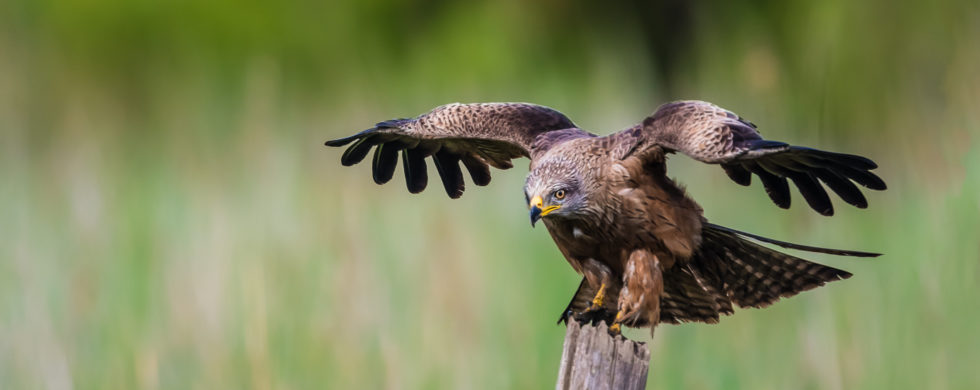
(711, 134)
(478, 135)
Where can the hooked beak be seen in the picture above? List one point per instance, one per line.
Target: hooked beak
(538, 210)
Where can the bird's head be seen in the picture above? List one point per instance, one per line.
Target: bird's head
(554, 189)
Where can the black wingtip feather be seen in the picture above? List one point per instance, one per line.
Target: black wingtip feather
(447, 165)
(385, 161)
(339, 141)
(808, 168)
(342, 141)
(851, 160)
(843, 187)
(864, 178)
(738, 174)
(813, 193)
(349, 139)
(416, 177)
(479, 171)
(766, 144)
(356, 152)
(776, 187)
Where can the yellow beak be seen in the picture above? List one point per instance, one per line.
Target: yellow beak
(538, 210)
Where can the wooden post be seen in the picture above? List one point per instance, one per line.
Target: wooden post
(592, 359)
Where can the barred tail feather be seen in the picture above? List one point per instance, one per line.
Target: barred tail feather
(729, 270)
(752, 275)
(689, 297)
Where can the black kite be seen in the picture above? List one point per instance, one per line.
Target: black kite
(646, 252)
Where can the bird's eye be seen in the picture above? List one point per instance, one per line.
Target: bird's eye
(560, 194)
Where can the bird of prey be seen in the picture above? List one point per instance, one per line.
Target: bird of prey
(646, 252)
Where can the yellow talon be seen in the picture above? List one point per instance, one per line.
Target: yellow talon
(599, 296)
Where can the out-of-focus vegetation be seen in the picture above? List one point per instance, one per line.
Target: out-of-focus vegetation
(170, 219)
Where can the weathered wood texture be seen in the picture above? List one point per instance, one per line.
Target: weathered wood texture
(592, 359)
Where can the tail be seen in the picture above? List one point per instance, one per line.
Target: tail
(730, 270)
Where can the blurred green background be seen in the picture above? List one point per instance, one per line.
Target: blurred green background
(169, 217)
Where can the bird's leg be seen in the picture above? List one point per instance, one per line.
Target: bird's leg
(597, 274)
(595, 313)
(599, 296)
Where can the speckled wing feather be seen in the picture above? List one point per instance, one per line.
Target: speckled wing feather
(478, 135)
(711, 134)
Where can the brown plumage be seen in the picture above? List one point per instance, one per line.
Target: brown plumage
(646, 252)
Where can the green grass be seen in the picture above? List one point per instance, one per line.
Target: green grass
(170, 218)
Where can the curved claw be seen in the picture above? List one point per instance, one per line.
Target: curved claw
(615, 330)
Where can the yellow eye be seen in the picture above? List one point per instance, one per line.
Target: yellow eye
(560, 194)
